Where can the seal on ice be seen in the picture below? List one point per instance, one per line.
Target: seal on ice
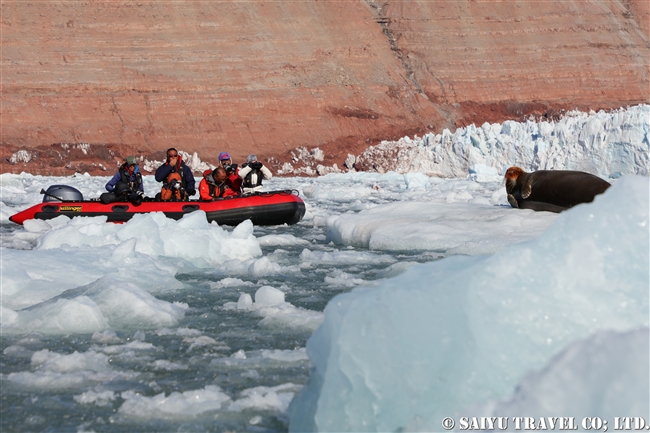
(551, 190)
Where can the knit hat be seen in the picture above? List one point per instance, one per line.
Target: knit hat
(251, 158)
(130, 160)
(223, 155)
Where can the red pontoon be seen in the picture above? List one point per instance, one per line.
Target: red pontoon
(265, 208)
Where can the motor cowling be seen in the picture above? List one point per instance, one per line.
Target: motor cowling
(62, 192)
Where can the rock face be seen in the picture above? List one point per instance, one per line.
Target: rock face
(85, 83)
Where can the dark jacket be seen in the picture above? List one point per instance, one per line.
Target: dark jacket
(187, 178)
(133, 180)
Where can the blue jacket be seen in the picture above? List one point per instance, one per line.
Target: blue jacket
(110, 186)
(186, 175)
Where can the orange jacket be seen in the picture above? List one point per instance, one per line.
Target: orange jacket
(209, 190)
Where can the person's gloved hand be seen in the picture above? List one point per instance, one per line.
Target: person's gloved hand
(136, 197)
(191, 192)
(256, 165)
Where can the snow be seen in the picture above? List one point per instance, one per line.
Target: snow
(464, 330)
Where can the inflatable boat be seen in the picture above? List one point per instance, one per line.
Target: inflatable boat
(264, 208)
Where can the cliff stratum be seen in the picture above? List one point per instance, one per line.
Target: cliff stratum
(86, 83)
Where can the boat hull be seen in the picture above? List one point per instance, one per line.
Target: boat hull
(267, 208)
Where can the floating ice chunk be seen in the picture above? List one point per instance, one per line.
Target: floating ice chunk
(105, 303)
(281, 240)
(275, 398)
(36, 226)
(267, 296)
(347, 257)
(269, 304)
(98, 398)
(124, 251)
(183, 332)
(58, 221)
(174, 406)
(127, 350)
(263, 266)
(453, 228)
(63, 316)
(201, 341)
(10, 180)
(230, 282)
(340, 278)
(327, 192)
(395, 269)
(243, 231)
(191, 238)
(262, 358)
(59, 371)
(126, 306)
(106, 337)
(245, 302)
(286, 355)
(286, 314)
(240, 354)
(416, 181)
(163, 364)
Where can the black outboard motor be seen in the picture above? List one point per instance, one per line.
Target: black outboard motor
(62, 193)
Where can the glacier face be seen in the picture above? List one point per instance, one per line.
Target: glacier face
(608, 144)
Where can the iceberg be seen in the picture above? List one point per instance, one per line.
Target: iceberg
(463, 331)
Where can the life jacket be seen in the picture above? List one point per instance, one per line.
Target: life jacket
(217, 190)
(173, 188)
(128, 184)
(253, 178)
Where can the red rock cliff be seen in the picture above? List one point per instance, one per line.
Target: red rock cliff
(267, 77)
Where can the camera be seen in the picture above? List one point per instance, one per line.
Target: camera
(230, 168)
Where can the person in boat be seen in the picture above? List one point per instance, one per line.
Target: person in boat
(252, 173)
(126, 184)
(215, 185)
(177, 178)
(232, 172)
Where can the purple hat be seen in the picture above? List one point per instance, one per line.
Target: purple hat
(223, 155)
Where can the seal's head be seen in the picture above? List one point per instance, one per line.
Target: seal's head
(512, 174)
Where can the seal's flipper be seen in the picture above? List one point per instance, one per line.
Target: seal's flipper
(513, 201)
